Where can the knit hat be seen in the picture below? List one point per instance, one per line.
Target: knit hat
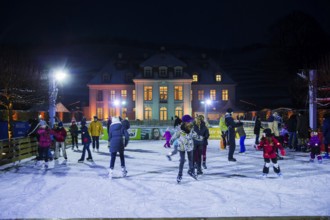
(60, 124)
(230, 110)
(95, 117)
(115, 120)
(187, 118)
(268, 132)
(83, 122)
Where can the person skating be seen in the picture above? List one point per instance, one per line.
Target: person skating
(184, 137)
(326, 134)
(256, 129)
(200, 129)
(86, 140)
(315, 145)
(74, 134)
(231, 124)
(60, 136)
(224, 132)
(117, 144)
(167, 135)
(242, 135)
(44, 142)
(269, 144)
(96, 130)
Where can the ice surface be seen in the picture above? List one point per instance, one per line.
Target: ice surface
(83, 190)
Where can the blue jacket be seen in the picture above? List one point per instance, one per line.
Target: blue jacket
(326, 130)
(116, 137)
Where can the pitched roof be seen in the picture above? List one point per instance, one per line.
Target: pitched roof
(163, 59)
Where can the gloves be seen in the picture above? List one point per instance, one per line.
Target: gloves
(282, 152)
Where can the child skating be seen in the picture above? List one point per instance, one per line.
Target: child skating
(167, 135)
(315, 145)
(269, 144)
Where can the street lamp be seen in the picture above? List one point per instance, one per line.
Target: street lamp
(119, 104)
(206, 103)
(54, 77)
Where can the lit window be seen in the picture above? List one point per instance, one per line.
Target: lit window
(112, 95)
(147, 113)
(195, 78)
(112, 111)
(163, 114)
(99, 113)
(213, 94)
(178, 112)
(147, 71)
(163, 71)
(133, 95)
(225, 95)
(178, 93)
(200, 95)
(218, 77)
(123, 94)
(147, 93)
(163, 93)
(99, 97)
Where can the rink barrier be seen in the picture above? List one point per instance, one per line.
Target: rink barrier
(17, 149)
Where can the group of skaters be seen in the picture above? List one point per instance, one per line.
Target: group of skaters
(191, 138)
(46, 136)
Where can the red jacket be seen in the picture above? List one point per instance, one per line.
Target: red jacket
(59, 134)
(269, 147)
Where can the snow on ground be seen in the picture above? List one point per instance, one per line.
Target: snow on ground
(150, 190)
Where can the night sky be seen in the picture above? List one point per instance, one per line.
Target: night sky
(219, 25)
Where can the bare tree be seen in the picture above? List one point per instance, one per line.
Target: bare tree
(20, 84)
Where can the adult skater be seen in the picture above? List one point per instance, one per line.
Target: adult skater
(185, 136)
(231, 124)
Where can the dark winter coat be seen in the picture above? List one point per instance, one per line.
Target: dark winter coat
(116, 137)
(292, 124)
(302, 126)
(73, 130)
(269, 147)
(257, 127)
(326, 130)
(231, 124)
(85, 137)
(240, 131)
(203, 131)
(126, 125)
(177, 121)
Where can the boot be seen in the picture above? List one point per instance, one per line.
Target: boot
(192, 174)
(179, 178)
(204, 165)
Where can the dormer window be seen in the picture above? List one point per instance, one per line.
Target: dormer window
(218, 77)
(163, 71)
(178, 71)
(147, 71)
(195, 77)
(106, 77)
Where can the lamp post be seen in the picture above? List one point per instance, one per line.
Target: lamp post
(54, 77)
(206, 103)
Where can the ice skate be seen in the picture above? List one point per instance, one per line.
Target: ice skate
(169, 157)
(90, 159)
(204, 165)
(179, 178)
(124, 171)
(80, 161)
(199, 172)
(46, 165)
(279, 175)
(110, 173)
(192, 174)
